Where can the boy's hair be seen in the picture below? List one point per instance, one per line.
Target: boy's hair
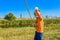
(36, 8)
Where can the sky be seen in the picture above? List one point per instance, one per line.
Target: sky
(17, 7)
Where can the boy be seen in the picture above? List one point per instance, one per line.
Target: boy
(39, 25)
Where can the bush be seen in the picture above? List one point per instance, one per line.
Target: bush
(10, 16)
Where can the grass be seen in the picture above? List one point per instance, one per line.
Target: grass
(27, 33)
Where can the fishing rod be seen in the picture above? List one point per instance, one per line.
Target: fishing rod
(27, 8)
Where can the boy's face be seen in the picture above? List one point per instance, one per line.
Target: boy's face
(36, 12)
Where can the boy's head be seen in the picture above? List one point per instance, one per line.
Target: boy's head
(36, 9)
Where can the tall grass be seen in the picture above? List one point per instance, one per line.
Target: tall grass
(26, 23)
(51, 30)
(27, 33)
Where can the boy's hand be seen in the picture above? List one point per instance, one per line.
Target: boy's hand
(36, 15)
(33, 24)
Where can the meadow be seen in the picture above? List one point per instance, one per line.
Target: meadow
(27, 33)
(51, 32)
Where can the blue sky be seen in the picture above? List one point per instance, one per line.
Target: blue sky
(47, 7)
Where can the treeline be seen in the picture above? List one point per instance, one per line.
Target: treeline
(49, 22)
(16, 23)
(26, 23)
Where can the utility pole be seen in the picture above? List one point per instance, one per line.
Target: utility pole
(20, 15)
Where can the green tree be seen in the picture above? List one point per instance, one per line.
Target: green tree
(10, 16)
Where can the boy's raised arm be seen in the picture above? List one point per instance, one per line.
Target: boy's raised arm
(38, 15)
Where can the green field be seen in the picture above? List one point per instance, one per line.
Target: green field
(52, 32)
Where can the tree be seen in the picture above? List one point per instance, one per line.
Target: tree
(10, 16)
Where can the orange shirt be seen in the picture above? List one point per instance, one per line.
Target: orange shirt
(39, 24)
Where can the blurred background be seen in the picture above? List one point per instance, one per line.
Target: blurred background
(17, 19)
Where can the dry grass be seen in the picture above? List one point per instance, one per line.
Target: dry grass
(27, 33)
